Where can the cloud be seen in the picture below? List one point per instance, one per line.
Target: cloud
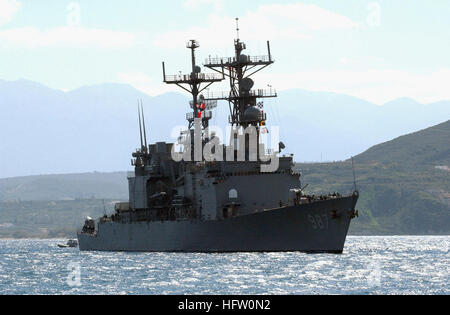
(376, 85)
(32, 37)
(304, 16)
(281, 21)
(8, 8)
(218, 4)
(144, 83)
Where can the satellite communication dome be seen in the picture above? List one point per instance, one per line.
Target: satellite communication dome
(247, 84)
(252, 114)
(243, 58)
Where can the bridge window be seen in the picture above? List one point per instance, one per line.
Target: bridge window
(233, 194)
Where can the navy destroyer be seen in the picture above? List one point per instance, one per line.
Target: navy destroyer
(200, 195)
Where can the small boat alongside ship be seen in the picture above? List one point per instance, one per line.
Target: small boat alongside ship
(70, 243)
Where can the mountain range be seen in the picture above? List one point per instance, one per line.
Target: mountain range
(95, 128)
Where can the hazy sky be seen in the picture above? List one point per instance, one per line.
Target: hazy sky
(376, 50)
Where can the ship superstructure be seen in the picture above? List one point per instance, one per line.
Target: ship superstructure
(203, 195)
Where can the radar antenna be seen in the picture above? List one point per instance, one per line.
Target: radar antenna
(239, 69)
(192, 84)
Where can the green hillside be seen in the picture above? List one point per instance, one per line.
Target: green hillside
(65, 187)
(423, 149)
(404, 183)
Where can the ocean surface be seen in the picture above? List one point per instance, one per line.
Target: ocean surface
(369, 265)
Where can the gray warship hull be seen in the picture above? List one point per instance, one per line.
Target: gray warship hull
(318, 227)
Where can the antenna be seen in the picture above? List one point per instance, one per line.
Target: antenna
(354, 177)
(104, 208)
(192, 83)
(239, 70)
(140, 126)
(143, 124)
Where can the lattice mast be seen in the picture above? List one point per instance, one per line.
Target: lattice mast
(192, 83)
(239, 69)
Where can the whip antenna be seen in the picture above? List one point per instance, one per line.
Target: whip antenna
(104, 208)
(143, 124)
(140, 126)
(354, 177)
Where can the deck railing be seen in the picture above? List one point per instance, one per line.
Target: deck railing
(218, 61)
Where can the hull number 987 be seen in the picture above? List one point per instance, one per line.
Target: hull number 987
(318, 222)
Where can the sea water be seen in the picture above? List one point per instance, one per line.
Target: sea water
(369, 265)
